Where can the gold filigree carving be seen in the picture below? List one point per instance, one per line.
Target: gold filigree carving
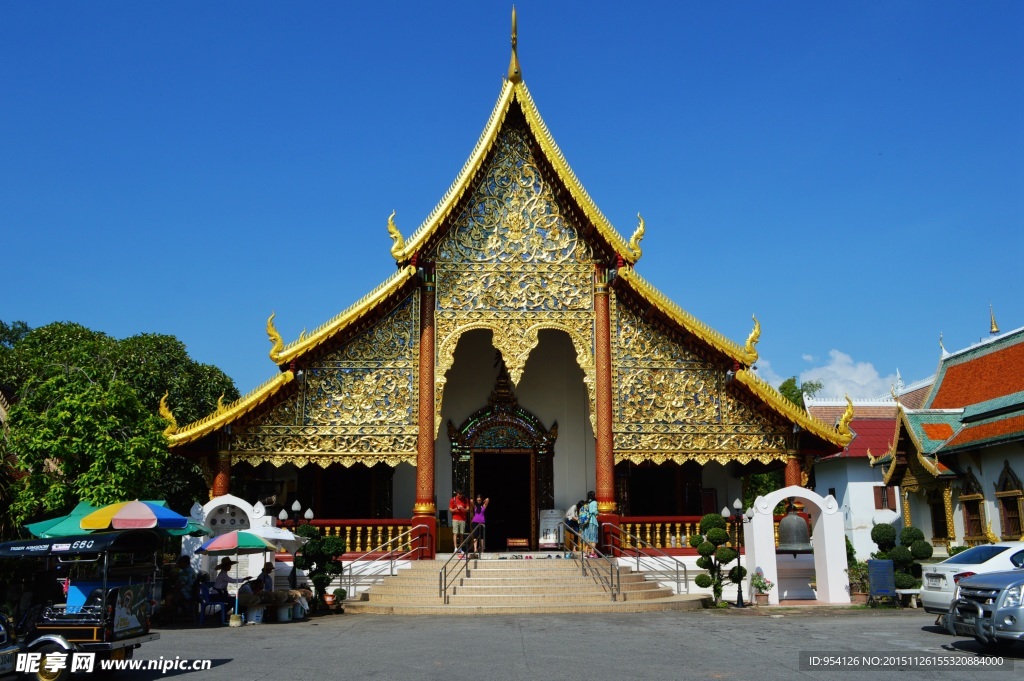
(277, 343)
(634, 241)
(844, 421)
(398, 242)
(165, 412)
(355, 403)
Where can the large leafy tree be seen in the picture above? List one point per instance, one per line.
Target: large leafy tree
(84, 423)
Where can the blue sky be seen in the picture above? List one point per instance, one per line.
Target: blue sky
(851, 172)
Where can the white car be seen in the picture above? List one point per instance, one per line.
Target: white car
(939, 580)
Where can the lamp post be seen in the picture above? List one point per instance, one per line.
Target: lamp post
(284, 518)
(736, 515)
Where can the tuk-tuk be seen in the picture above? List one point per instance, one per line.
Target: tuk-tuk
(92, 594)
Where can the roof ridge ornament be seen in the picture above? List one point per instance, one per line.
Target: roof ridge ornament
(844, 421)
(274, 336)
(751, 345)
(993, 327)
(941, 346)
(167, 415)
(638, 235)
(398, 247)
(514, 74)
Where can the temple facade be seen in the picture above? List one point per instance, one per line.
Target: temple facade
(517, 352)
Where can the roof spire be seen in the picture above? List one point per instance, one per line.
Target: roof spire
(993, 327)
(514, 74)
(941, 346)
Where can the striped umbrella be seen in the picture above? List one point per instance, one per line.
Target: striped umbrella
(234, 543)
(130, 515)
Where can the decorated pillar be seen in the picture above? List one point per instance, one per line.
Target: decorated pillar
(605, 451)
(425, 511)
(222, 475)
(793, 471)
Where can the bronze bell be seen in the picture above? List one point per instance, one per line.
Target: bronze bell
(793, 535)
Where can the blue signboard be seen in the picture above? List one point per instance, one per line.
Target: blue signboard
(882, 578)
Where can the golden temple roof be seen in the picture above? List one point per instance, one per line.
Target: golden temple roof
(225, 414)
(282, 354)
(838, 435)
(514, 91)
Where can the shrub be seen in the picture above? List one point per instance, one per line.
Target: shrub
(884, 536)
(909, 535)
(953, 550)
(703, 580)
(737, 573)
(712, 521)
(725, 555)
(901, 556)
(921, 550)
(906, 581)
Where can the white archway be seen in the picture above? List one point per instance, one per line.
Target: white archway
(828, 537)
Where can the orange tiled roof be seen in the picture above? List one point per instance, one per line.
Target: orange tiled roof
(987, 431)
(832, 413)
(981, 378)
(914, 399)
(937, 431)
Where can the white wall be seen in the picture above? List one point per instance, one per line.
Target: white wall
(854, 481)
(551, 388)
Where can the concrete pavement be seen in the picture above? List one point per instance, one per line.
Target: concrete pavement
(762, 644)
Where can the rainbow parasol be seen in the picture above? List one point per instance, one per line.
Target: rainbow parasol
(129, 515)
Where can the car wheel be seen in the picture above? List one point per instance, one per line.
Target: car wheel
(58, 674)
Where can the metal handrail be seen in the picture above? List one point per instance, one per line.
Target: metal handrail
(350, 579)
(444, 579)
(649, 552)
(613, 581)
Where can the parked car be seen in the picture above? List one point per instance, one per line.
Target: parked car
(9, 647)
(939, 580)
(989, 607)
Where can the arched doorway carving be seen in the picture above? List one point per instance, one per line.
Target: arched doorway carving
(505, 444)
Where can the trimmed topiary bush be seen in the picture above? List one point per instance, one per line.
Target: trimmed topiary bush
(703, 580)
(906, 581)
(909, 535)
(884, 537)
(714, 555)
(921, 550)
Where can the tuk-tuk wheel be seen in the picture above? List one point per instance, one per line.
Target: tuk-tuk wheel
(44, 674)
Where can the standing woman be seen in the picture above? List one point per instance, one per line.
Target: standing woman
(479, 520)
(590, 529)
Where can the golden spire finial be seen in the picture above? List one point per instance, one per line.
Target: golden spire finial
(221, 407)
(514, 74)
(993, 328)
(399, 243)
(638, 236)
(274, 336)
(165, 412)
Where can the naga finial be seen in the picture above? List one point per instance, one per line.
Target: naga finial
(398, 247)
(514, 74)
(844, 421)
(993, 327)
(941, 346)
(221, 407)
(752, 339)
(274, 336)
(638, 235)
(165, 413)
(895, 395)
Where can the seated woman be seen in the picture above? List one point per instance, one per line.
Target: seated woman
(219, 589)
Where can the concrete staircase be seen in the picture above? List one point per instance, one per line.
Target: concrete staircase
(515, 586)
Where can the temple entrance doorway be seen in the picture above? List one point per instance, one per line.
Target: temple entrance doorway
(506, 478)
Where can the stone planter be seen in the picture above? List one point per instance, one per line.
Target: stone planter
(761, 599)
(859, 598)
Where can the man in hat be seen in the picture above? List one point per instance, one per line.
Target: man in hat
(267, 577)
(219, 590)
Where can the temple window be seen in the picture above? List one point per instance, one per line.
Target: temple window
(887, 498)
(972, 500)
(1009, 500)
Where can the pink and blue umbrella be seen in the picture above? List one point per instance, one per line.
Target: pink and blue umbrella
(130, 515)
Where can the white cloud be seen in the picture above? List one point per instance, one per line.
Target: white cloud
(842, 376)
(765, 373)
(809, 358)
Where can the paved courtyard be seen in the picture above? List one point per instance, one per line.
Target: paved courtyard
(668, 645)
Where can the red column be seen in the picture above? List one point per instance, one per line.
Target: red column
(222, 476)
(605, 452)
(424, 511)
(793, 472)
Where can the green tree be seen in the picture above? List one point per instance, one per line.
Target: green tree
(795, 393)
(320, 557)
(84, 418)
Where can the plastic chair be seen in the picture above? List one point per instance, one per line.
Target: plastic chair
(205, 602)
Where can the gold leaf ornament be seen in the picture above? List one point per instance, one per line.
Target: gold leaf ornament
(274, 336)
(167, 415)
(398, 247)
(752, 340)
(638, 235)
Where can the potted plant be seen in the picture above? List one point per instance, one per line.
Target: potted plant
(860, 582)
(320, 558)
(761, 587)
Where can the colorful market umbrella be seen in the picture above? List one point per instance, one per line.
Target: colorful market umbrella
(128, 515)
(71, 524)
(279, 537)
(234, 543)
